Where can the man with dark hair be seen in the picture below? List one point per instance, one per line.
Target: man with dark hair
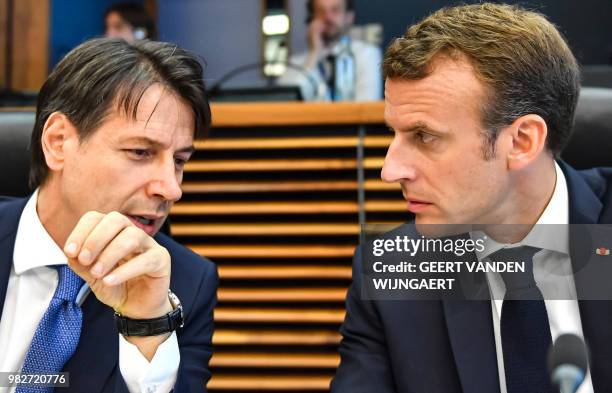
(480, 99)
(338, 68)
(93, 290)
(129, 21)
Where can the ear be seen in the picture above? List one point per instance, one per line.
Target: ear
(59, 135)
(528, 135)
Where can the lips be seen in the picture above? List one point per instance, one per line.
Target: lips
(146, 222)
(416, 205)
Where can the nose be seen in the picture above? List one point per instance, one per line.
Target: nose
(397, 166)
(166, 183)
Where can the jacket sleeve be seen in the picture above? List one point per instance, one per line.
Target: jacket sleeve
(364, 360)
(195, 339)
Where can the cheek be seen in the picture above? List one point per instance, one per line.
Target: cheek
(463, 180)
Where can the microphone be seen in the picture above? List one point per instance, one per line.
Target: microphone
(567, 363)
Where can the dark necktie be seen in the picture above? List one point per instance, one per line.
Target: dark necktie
(525, 330)
(58, 332)
(327, 69)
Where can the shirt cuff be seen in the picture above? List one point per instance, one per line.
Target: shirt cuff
(142, 376)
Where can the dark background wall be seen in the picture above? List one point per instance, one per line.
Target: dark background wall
(227, 33)
(587, 24)
(72, 22)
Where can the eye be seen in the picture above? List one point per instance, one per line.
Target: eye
(139, 154)
(179, 162)
(425, 137)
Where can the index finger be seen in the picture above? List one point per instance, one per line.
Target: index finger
(80, 232)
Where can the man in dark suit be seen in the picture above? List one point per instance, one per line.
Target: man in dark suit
(481, 100)
(87, 285)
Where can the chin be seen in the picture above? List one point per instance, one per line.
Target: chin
(431, 226)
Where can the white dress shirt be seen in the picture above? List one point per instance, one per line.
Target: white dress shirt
(368, 79)
(31, 286)
(552, 262)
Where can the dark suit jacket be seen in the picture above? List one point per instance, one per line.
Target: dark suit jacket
(94, 368)
(443, 346)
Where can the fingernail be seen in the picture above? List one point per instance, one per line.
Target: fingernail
(97, 269)
(110, 279)
(85, 256)
(71, 249)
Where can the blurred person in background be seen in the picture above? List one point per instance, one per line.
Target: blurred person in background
(339, 68)
(129, 21)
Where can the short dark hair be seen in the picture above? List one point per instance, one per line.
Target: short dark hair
(522, 59)
(349, 5)
(136, 15)
(106, 74)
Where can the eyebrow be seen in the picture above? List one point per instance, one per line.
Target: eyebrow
(156, 144)
(418, 126)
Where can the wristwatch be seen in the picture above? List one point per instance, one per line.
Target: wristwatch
(153, 326)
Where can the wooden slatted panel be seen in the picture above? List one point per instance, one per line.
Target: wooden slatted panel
(281, 165)
(217, 187)
(272, 198)
(306, 316)
(293, 294)
(275, 165)
(267, 382)
(280, 207)
(266, 207)
(290, 143)
(267, 229)
(258, 251)
(212, 187)
(268, 360)
(276, 337)
(280, 229)
(291, 114)
(272, 272)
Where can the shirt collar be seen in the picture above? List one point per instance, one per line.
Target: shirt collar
(550, 232)
(34, 247)
(338, 47)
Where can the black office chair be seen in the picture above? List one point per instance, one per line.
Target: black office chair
(15, 130)
(591, 142)
(597, 75)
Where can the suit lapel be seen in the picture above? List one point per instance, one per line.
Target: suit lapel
(10, 213)
(470, 330)
(595, 315)
(96, 357)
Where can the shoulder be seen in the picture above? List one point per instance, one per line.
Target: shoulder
(298, 58)
(365, 48)
(10, 213)
(8, 200)
(599, 181)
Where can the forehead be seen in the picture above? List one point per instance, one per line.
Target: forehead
(326, 4)
(161, 115)
(451, 88)
(114, 17)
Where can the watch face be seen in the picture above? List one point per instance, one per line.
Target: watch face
(176, 303)
(174, 300)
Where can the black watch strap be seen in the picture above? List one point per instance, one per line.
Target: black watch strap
(154, 326)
